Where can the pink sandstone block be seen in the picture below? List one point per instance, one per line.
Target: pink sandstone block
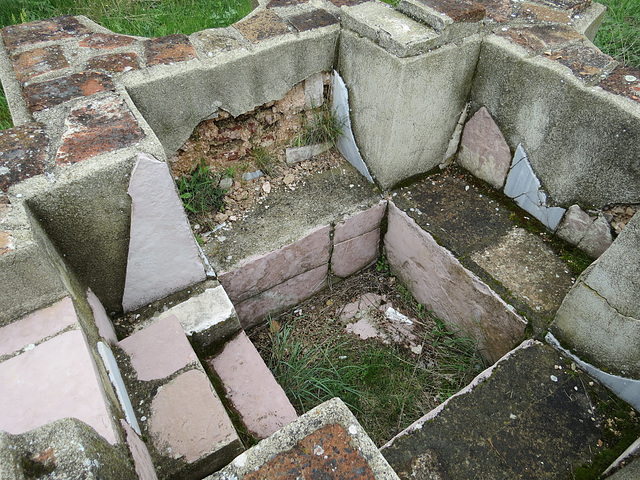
(598, 238)
(55, 380)
(360, 224)
(574, 225)
(484, 151)
(287, 294)
(453, 293)
(103, 322)
(188, 419)
(159, 350)
(37, 326)
(254, 393)
(355, 254)
(141, 458)
(163, 255)
(274, 268)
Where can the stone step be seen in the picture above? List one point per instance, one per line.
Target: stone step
(528, 416)
(189, 433)
(251, 388)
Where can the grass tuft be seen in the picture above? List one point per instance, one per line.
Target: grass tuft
(200, 191)
(324, 127)
(619, 34)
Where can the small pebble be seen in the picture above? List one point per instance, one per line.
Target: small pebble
(630, 78)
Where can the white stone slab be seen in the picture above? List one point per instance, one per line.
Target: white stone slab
(163, 255)
(118, 384)
(346, 143)
(103, 322)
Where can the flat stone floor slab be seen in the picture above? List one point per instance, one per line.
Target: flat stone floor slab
(532, 417)
(483, 230)
(54, 380)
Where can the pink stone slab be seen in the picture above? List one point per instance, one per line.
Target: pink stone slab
(55, 380)
(254, 393)
(159, 350)
(274, 268)
(141, 458)
(484, 151)
(163, 255)
(355, 254)
(453, 293)
(360, 224)
(103, 322)
(574, 225)
(188, 420)
(37, 326)
(294, 290)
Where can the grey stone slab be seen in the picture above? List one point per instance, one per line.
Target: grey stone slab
(163, 255)
(528, 416)
(306, 152)
(346, 143)
(393, 31)
(521, 178)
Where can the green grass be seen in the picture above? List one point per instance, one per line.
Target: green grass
(619, 34)
(200, 191)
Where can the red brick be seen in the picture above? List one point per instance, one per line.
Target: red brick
(326, 453)
(106, 41)
(458, 10)
(40, 96)
(169, 49)
(38, 61)
(618, 84)
(313, 19)
(265, 24)
(585, 62)
(23, 152)
(498, 10)
(114, 62)
(544, 14)
(6, 242)
(58, 28)
(98, 127)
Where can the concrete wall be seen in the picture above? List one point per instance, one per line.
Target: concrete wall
(600, 317)
(404, 110)
(582, 142)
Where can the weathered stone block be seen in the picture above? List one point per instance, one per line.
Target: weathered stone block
(574, 225)
(99, 126)
(41, 385)
(159, 350)
(263, 25)
(188, 423)
(597, 238)
(38, 61)
(540, 37)
(316, 18)
(38, 326)
(106, 41)
(277, 298)
(208, 318)
(544, 14)
(58, 28)
(274, 268)
(587, 63)
(168, 50)
(455, 295)
(115, 62)
(484, 151)
(41, 96)
(23, 151)
(355, 254)
(262, 404)
(393, 31)
(163, 255)
(623, 81)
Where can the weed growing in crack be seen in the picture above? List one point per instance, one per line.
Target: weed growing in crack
(200, 191)
(325, 126)
(264, 160)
